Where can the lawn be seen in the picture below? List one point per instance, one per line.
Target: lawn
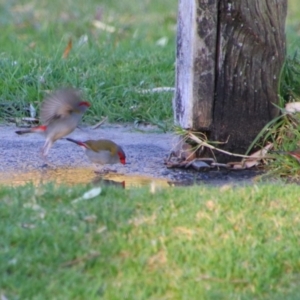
(177, 243)
(118, 50)
(293, 26)
(135, 50)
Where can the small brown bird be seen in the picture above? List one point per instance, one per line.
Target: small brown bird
(102, 151)
(60, 114)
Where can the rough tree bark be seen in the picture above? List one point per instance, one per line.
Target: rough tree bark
(229, 57)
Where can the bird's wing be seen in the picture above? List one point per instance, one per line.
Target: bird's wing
(59, 104)
(102, 145)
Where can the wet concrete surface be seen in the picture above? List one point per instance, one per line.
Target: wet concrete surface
(146, 150)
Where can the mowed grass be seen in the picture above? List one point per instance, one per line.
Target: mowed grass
(293, 27)
(111, 65)
(135, 51)
(176, 243)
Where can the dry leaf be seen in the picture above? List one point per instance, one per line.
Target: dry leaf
(101, 229)
(219, 165)
(225, 188)
(210, 205)
(90, 219)
(292, 107)
(137, 221)
(157, 260)
(254, 158)
(28, 226)
(83, 40)
(295, 154)
(32, 45)
(68, 49)
(162, 41)
(185, 152)
(184, 231)
(100, 25)
(89, 194)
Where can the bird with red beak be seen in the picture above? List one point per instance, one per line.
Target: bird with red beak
(60, 114)
(102, 151)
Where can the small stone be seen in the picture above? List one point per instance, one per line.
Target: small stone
(165, 172)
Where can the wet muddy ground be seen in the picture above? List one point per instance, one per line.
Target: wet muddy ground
(145, 148)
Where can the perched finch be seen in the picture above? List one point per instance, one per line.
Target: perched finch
(102, 151)
(60, 114)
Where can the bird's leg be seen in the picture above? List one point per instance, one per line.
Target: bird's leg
(46, 147)
(45, 160)
(45, 151)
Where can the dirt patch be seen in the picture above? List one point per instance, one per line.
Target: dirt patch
(145, 148)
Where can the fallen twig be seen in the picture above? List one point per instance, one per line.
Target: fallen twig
(99, 123)
(202, 143)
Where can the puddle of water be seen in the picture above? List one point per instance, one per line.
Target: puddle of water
(78, 176)
(137, 180)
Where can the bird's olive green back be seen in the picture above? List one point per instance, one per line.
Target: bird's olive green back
(102, 145)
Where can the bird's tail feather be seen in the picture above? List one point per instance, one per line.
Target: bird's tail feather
(79, 143)
(41, 128)
(74, 141)
(23, 131)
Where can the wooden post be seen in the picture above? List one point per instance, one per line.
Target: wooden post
(229, 57)
(196, 60)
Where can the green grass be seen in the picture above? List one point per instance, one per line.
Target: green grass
(108, 67)
(181, 243)
(293, 26)
(195, 243)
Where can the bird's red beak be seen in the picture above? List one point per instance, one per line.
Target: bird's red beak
(85, 103)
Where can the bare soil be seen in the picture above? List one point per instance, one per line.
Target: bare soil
(146, 150)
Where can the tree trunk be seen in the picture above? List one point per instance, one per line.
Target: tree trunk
(229, 57)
